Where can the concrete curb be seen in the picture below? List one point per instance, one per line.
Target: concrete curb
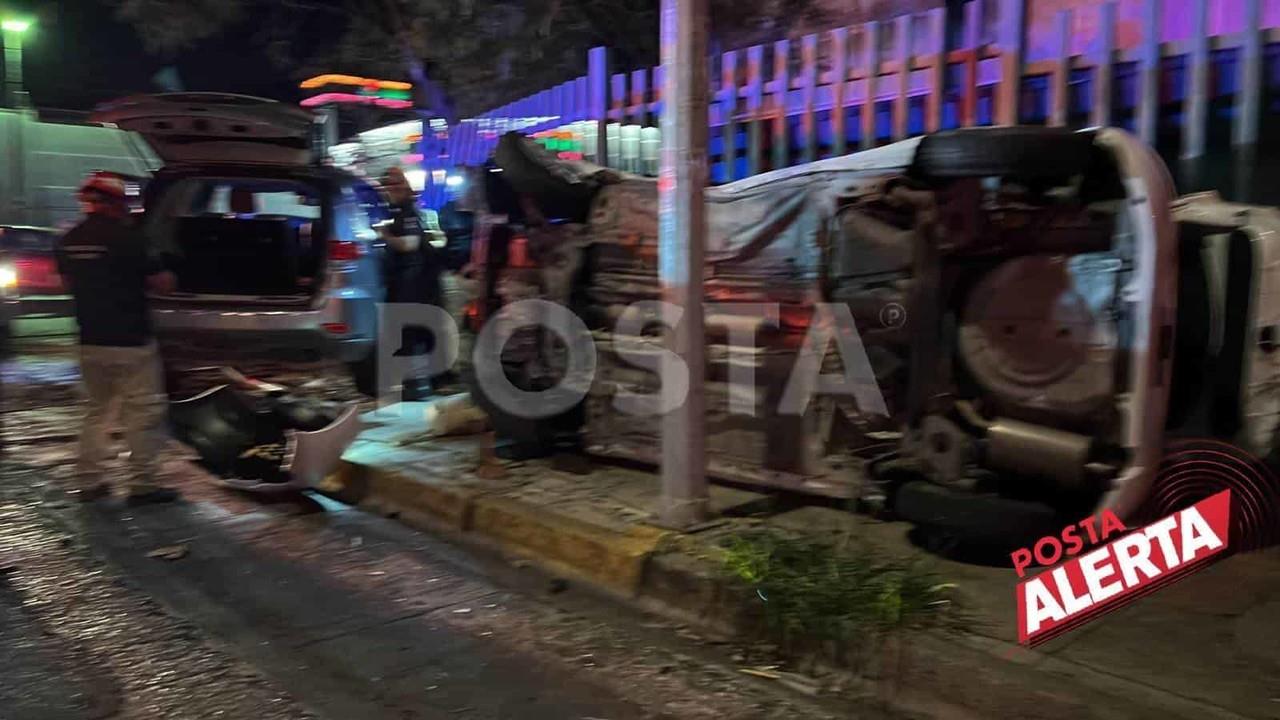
(612, 559)
(390, 492)
(608, 557)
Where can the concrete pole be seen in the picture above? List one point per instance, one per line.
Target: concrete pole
(682, 230)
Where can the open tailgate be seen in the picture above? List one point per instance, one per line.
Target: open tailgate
(215, 127)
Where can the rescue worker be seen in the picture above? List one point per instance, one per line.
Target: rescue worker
(108, 270)
(412, 272)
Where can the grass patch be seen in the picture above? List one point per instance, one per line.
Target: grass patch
(841, 599)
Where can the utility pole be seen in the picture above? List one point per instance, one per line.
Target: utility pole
(682, 230)
(11, 32)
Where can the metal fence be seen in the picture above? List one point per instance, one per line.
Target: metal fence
(1166, 69)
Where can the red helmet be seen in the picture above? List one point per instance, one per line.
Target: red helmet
(107, 184)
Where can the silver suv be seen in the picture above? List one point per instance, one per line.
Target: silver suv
(271, 251)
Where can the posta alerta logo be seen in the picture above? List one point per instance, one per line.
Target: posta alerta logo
(1116, 573)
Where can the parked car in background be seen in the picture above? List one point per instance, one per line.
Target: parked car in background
(272, 251)
(1038, 308)
(29, 278)
(8, 291)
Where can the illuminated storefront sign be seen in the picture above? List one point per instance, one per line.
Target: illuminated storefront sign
(350, 89)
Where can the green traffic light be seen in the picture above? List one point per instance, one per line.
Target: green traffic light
(15, 25)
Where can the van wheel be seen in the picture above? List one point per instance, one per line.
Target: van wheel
(1029, 154)
(976, 522)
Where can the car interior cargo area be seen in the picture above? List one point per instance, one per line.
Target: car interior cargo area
(242, 237)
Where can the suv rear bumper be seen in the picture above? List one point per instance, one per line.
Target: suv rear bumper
(309, 332)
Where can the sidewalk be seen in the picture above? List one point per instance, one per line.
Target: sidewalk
(1208, 647)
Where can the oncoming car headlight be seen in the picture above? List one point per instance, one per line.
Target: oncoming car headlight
(8, 277)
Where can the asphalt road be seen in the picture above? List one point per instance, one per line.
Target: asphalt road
(227, 606)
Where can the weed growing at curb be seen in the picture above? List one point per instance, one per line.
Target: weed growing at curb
(840, 599)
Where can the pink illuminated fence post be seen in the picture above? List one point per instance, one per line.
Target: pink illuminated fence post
(972, 53)
(871, 73)
(1195, 106)
(781, 87)
(839, 80)
(755, 108)
(809, 99)
(1060, 95)
(1103, 68)
(903, 54)
(728, 109)
(1013, 31)
(937, 69)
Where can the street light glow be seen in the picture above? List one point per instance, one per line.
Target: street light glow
(17, 26)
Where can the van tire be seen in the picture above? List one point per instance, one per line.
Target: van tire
(974, 520)
(1031, 154)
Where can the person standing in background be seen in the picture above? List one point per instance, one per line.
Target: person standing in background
(412, 272)
(109, 271)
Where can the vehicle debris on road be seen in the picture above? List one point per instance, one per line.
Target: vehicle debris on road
(263, 437)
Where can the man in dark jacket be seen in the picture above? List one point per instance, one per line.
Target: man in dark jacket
(412, 272)
(108, 269)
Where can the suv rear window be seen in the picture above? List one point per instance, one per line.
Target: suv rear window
(247, 198)
(249, 236)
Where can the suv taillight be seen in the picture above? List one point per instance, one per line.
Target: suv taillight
(518, 255)
(344, 250)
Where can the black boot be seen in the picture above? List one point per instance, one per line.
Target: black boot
(414, 389)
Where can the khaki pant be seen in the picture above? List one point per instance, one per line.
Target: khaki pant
(128, 381)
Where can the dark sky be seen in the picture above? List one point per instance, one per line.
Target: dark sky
(85, 56)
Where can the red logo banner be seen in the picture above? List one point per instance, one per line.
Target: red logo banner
(1110, 576)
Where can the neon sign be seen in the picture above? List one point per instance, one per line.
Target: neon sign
(391, 94)
(352, 98)
(322, 80)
